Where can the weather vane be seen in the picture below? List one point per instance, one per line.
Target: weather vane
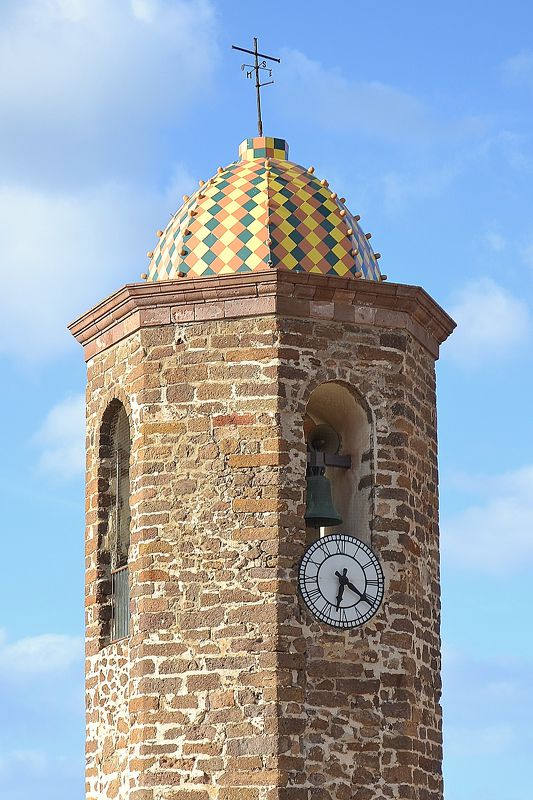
(257, 67)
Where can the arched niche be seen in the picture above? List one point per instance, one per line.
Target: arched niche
(343, 409)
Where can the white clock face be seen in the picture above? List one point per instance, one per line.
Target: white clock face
(341, 580)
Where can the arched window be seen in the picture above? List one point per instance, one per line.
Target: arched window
(115, 462)
(348, 465)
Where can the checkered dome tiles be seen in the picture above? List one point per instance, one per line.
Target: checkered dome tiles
(259, 213)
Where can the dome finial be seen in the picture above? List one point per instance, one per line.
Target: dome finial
(255, 68)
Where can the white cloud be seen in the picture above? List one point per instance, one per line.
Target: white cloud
(41, 716)
(509, 145)
(82, 59)
(401, 188)
(519, 67)
(494, 241)
(33, 772)
(62, 438)
(94, 77)
(32, 760)
(63, 252)
(473, 539)
(487, 705)
(99, 81)
(337, 103)
(38, 655)
(144, 10)
(491, 322)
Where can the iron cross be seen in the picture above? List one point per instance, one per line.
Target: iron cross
(256, 68)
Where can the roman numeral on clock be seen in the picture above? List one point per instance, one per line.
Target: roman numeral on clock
(323, 609)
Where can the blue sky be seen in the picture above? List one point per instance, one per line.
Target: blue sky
(420, 114)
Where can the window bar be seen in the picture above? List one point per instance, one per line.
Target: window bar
(120, 603)
(117, 492)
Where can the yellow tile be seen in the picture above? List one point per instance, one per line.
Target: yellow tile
(313, 239)
(254, 261)
(289, 261)
(200, 249)
(341, 269)
(255, 227)
(285, 227)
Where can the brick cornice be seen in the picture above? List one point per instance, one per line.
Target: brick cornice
(281, 293)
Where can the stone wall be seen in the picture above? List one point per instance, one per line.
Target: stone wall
(227, 688)
(360, 709)
(203, 563)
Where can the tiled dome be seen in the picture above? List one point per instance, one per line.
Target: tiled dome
(263, 212)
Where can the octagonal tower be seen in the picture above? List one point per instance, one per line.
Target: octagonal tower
(263, 314)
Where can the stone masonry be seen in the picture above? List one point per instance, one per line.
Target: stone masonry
(226, 688)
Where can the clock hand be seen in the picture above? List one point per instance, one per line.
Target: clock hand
(342, 583)
(340, 593)
(350, 585)
(363, 596)
(342, 578)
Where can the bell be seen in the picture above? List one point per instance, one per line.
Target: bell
(320, 511)
(324, 439)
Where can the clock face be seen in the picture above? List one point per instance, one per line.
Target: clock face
(341, 580)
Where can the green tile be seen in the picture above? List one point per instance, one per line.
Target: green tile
(210, 239)
(244, 253)
(247, 220)
(298, 254)
(331, 258)
(245, 236)
(209, 257)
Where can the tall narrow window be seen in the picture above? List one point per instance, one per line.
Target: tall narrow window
(117, 537)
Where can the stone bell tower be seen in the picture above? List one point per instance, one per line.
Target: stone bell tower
(262, 315)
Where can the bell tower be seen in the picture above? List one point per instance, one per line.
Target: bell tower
(262, 382)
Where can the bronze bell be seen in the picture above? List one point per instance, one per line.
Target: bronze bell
(320, 511)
